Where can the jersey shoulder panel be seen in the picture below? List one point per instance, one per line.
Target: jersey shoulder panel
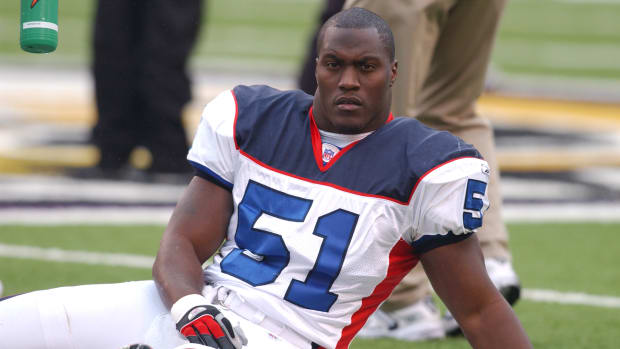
(449, 203)
(267, 119)
(213, 152)
(428, 148)
(391, 161)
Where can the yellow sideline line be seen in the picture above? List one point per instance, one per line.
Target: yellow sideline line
(72, 108)
(535, 112)
(554, 161)
(581, 116)
(584, 116)
(55, 157)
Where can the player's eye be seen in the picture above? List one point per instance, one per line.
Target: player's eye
(366, 67)
(332, 64)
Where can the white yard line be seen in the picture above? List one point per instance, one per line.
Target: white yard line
(85, 215)
(139, 261)
(59, 255)
(551, 296)
(570, 212)
(573, 212)
(34, 188)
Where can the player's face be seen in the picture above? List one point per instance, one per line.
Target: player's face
(354, 75)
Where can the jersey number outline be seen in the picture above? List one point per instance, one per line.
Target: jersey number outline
(263, 255)
(474, 204)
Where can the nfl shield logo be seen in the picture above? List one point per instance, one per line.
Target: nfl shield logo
(329, 151)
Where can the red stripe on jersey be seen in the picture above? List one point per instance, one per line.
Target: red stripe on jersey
(315, 137)
(262, 164)
(433, 169)
(235, 122)
(402, 260)
(316, 144)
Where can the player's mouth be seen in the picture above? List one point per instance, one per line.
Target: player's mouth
(348, 103)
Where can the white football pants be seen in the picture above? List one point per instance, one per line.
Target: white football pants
(106, 316)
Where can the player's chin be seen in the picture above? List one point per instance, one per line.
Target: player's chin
(349, 128)
(350, 124)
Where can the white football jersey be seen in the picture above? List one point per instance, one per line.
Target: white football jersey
(317, 245)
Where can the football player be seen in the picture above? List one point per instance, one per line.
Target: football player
(305, 248)
(444, 48)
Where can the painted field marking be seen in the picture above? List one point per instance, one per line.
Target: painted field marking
(577, 298)
(86, 215)
(60, 255)
(548, 113)
(140, 261)
(572, 212)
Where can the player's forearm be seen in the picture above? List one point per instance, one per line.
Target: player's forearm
(495, 326)
(177, 271)
(196, 229)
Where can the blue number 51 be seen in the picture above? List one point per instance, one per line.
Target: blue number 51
(262, 255)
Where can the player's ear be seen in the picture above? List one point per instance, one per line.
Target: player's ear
(316, 72)
(393, 72)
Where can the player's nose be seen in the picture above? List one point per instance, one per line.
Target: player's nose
(349, 79)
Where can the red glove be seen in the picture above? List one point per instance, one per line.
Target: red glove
(205, 324)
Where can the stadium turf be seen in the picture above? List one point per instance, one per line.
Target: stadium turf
(564, 257)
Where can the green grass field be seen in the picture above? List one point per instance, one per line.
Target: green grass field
(561, 257)
(548, 38)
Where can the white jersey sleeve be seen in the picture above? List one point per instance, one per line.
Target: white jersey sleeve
(449, 203)
(213, 153)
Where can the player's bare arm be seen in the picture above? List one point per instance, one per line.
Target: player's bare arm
(195, 231)
(459, 277)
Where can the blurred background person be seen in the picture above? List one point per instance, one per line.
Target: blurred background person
(443, 48)
(306, 80)
(141, 50)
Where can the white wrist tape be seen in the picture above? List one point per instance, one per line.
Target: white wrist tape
(184, 304)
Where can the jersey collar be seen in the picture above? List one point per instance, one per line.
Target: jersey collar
(317, 148)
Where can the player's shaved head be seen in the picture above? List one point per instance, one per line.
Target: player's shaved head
(359, 18)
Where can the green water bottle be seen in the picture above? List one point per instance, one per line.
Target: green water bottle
(39, 25)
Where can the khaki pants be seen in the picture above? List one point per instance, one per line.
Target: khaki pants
(443, 49)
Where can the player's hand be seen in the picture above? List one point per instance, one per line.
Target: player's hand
(206, 325)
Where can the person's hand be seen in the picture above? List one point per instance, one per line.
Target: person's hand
(204, 324)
